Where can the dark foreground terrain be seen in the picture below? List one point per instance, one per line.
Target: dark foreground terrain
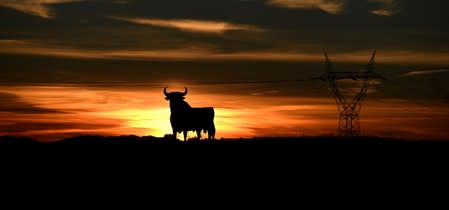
(150, 141)
(227, 148)
(321, 156)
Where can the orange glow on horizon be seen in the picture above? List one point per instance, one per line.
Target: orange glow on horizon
(144, 111)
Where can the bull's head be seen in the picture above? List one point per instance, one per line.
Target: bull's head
(174, 95)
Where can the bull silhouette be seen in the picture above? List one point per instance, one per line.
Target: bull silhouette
(184, 118)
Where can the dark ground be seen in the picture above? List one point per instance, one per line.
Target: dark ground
(225, 148)
(150, 141)
(223, 163)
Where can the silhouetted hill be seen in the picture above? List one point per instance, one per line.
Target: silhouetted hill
(91, 140)
(144, 144)
(12, 140)
(260, 141)
(329, 154)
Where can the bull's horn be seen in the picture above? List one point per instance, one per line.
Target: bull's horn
(185, 91)
(165, 91)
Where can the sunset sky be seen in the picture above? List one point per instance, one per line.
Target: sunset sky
(98, 67)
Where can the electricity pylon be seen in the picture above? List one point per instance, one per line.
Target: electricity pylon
(349, 110)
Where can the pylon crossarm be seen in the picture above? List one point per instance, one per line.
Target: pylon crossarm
(350, 75)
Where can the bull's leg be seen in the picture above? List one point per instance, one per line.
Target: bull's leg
(185, 135)
(198, 134)
(211, 132)
(175, 134)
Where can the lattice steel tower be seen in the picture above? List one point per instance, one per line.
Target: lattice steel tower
(349, 110)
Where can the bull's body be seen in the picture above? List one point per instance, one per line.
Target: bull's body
(194, 119)
(184, 118)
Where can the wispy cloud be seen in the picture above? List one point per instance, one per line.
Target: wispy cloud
(387, 7)
(425, 72)
(382, 8)
(330, 6)
(34, 7)
(190, 25)
(204, 53)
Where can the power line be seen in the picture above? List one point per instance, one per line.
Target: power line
(155, 84)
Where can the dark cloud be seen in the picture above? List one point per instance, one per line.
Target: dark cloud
(416, 25)
(13, 103)
(20, 127)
